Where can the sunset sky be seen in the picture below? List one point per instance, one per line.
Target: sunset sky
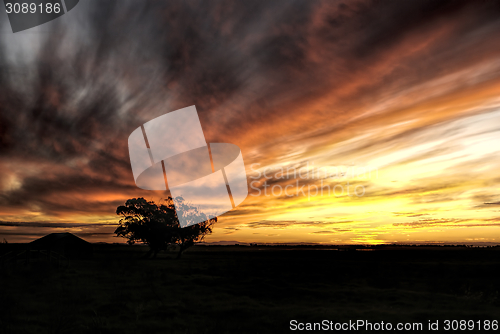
(399, 101)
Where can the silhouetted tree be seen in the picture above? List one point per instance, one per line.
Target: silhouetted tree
(157, 225)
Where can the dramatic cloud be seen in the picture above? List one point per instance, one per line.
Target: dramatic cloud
(406, 88)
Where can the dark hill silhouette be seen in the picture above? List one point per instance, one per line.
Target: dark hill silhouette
(66, 244)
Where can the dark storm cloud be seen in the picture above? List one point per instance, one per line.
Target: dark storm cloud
(281, 224)
(51, 225)
(333, 231)
(450, 222)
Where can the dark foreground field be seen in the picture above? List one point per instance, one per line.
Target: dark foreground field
(247, 290)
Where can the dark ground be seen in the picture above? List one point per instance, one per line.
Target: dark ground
(221, 289)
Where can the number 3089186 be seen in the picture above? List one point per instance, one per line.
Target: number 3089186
(32, 8)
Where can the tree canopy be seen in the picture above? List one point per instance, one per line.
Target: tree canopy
(157, 225)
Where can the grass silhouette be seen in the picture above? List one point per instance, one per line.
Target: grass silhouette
(246, 290)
